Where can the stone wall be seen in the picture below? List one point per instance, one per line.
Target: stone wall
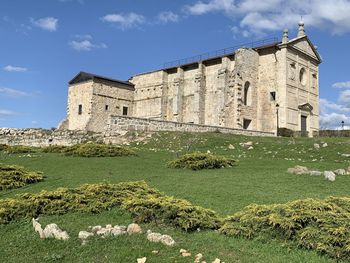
(122, 124)
(42, 137)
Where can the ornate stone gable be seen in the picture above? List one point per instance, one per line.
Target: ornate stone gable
(304, 45)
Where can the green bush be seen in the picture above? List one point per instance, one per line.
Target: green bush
(3, 147)
(198, 161)
(322, 225)
(145, 204)
(12, 176)
(91, 150)
(54, 149)
(19, 149)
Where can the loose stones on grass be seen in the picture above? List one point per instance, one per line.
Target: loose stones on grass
(50, 231)
(157, 237)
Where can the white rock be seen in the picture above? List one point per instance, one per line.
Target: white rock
(251, 148)
(38, 228)
(316, 173)
(316, 146)
(329, 175)
(340, 172)
(84, 234)
(324, 145)
(231, 147)
(53, 231)
(183, 251)
(141, 260)
(348, 170)
(153, 237)
(117, 231)
(298, 170)
(133, 229)
(95, 229)
(109, 226)
(217, 261)
(198, 258)
(167, 240)
(104, 231)
(346, 155)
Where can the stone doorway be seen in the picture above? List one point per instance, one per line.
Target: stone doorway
(303, 124)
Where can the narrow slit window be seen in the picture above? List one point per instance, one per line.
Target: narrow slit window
(273, 96)
(80, 109)
(125, 111)
(106, 107)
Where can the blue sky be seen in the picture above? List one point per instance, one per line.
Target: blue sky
(44, 43)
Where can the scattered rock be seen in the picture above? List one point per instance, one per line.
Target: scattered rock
(184, 253)
(231, 147)
(155, 252)
(251, 148)
(298, 170)
(198, 258)
(118, 230)
(316, 146)
(133, 229)
(329, 175)
(141, 260)
(84, 235)
(340, 172)
(217, 261)
(95, 229)
(348, 171)
(246, 144)
(167, 240)
(324, 145)
(345, 154)
(38, 228)
(316, 173)
(53, 231)
(157, 237)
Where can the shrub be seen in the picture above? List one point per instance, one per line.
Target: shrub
(198, 161)
(19, 149)
(91, 150)
(145, 204)
(3, 147)
(12, 176)
(322, 225)
(54, 149)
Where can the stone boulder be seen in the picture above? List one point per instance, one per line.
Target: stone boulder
(298, 170)
(315, 173)
(141, 260)
(84, 235)
(246, 144)
(53, 231)
(133, 229)
(329, 175)
(316, 146)
(157, 237)
(340, 172)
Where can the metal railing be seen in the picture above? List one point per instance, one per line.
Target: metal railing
(219, 53)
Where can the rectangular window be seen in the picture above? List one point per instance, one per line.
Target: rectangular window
(272, 96)
(80, 109)
(125, 111)
(106, 107)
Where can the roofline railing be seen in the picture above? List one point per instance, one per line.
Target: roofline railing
(219, 53)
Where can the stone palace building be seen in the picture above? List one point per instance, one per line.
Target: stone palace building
(258, 88)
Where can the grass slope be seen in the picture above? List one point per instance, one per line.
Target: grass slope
(260, 178)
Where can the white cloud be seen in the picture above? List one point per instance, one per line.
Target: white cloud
(125, 21)
(345, 85)
(344, 98)
(46, 23)
(332, 114)
(256, 16)
(167, 16)
(10, 68)
(4, 113)
(12, 92)
(84, 43)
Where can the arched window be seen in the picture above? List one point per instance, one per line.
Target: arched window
(247, 94)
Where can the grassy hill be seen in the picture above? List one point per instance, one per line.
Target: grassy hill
(260, 177)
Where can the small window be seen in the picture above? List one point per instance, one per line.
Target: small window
(80, 109)
(247, 94)
(106, 107)
(302, 76)
(125, 111)
(246, 124)
(273, 96)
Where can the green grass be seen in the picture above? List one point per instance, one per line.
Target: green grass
(260, 177)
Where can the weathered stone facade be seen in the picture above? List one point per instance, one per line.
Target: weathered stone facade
(259, 88)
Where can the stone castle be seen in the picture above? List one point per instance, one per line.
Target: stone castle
(262, 88)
